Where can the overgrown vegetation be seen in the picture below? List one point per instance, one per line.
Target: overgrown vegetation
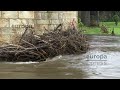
(80, 24)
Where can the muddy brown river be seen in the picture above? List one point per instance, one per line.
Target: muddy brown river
(102, 61)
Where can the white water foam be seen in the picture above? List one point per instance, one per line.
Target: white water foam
(30, 62)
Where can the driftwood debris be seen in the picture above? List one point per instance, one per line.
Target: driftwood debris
(48, 45)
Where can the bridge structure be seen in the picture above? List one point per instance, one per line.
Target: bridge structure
(11, 22)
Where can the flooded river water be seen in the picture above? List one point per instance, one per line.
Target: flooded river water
(102, 61)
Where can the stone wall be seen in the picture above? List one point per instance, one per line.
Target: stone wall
(8, 19)
(50, 19)
(38, 19)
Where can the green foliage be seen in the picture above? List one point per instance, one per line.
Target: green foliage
(116, 19)
(80, 24)
(108, 17)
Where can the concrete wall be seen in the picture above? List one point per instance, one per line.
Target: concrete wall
(38, 19)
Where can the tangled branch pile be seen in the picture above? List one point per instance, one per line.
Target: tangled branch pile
(39, 47)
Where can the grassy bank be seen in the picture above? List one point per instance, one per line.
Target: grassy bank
(97, 30)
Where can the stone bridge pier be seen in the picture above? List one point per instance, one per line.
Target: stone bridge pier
(38, 19)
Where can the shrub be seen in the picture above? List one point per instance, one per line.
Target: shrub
(80, 24)
(116, 19)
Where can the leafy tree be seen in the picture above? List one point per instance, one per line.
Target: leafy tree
(116, 19)
(80, 24)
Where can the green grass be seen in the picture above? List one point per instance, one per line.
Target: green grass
(97, 30)
(110, 24)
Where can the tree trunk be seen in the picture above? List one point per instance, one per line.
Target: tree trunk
(85, 17)
(94, 16)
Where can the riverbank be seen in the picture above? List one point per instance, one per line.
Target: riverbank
(97, 30)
